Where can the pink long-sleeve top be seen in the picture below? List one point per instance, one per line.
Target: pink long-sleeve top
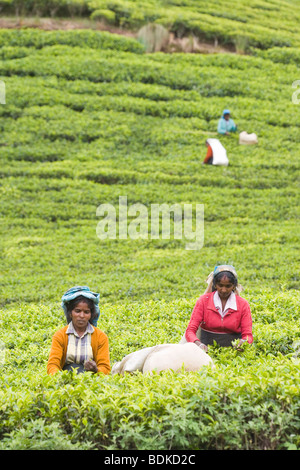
(206, 315)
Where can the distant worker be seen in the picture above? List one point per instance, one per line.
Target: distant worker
(216, 153)
(226, 124)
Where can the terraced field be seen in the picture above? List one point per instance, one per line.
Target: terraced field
(90, 117)
(241, 25)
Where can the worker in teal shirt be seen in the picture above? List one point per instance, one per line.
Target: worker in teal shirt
(226, 124)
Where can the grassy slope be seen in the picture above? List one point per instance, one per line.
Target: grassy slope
(262, 23)
(83, 126)
(243, 24)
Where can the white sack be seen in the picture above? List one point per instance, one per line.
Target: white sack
(163, 357)
(132, 362)
(219, 152)
(248, 139)
(175, 356)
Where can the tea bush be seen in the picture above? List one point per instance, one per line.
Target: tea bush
(84, 124)
(240, 26)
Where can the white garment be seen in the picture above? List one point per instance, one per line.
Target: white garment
(219, 152)
(231, 303)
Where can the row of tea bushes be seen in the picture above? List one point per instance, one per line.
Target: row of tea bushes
(242, 26)
(256, 389)
(23, 38)
(83, 126)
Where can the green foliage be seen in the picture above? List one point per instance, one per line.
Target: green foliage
(283, 55)
(240, 25)
(45, 7)
(83, 38)
(88, 118)
(38, 435)
(259, 24)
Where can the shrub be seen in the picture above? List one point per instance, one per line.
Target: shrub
(87, 123)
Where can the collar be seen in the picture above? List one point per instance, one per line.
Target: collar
(71, 330)
(230, 304)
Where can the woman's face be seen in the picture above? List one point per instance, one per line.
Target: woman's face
(224, 288)
(81, 315)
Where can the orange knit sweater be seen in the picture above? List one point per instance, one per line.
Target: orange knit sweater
(58, 352)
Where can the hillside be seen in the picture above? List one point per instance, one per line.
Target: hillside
(240, 25)
(90, 117)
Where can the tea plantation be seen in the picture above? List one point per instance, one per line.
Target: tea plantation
(88, 118)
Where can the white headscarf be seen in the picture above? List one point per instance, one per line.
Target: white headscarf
(219, 269)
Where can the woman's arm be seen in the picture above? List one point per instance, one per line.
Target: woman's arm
(233, 126)
(56, 354)
(102, 354)
(194, 323)
(246, 324)
(222, 126)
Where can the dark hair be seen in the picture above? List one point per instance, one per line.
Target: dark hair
(72, 304)
(217, 278)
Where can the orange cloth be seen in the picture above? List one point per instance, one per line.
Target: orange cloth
(58, 352)
(209, 154)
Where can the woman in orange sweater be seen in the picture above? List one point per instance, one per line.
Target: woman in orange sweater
(79, 345)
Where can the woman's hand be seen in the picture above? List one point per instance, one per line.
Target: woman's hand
(239, 346)
(202, 346)
(90, 366)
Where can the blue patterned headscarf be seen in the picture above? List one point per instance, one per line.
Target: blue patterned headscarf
(85, 291)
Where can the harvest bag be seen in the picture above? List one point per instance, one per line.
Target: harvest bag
(219, 152)
(248, 139)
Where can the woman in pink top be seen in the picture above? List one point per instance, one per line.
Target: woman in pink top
(220, 315)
